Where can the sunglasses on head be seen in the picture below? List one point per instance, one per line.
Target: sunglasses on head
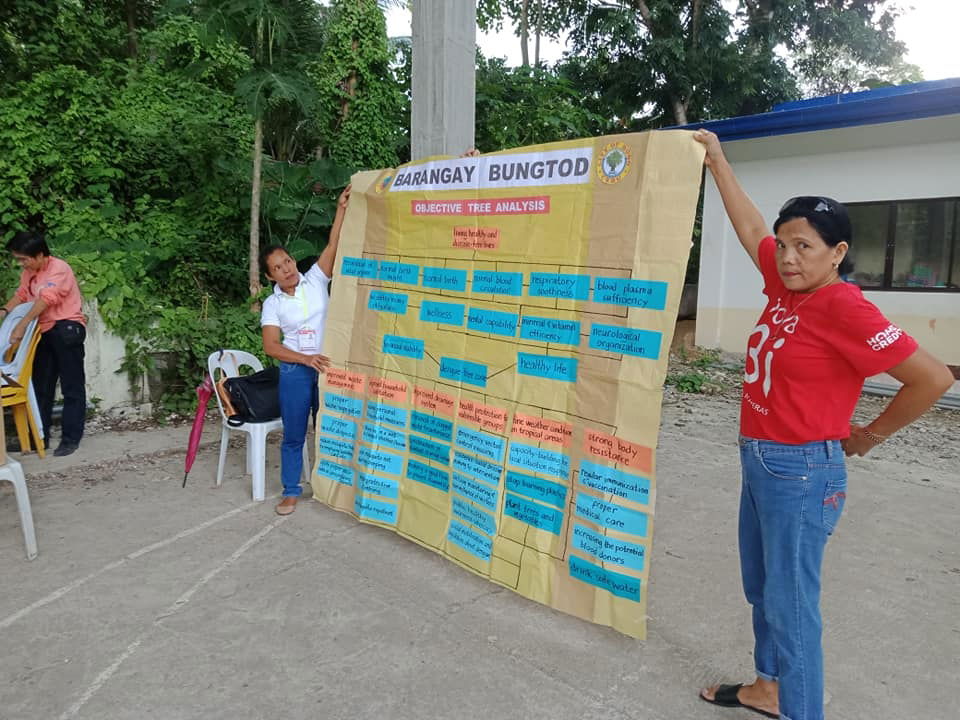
(807, 204)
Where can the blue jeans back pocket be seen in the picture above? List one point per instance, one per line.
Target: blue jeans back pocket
(834, 498)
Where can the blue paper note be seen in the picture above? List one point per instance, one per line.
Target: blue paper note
(443, 313)
(340, 449)
(380, 460)
(431, 425)
(648, 294)
(378, 510)
(434, 477)
(547, 366)
(498, 283)
(342, 404)
(359, 267)
(610, 515)
(332, 425)
(531, 513)
(380, 435)
(537, 488)
(383, 413)
(479, 492)
(373, 485)
(550, 330)
(615, 482)
(629, 341)
(438, 452)
(463, 371)
(609, 549)
(395, 303)
(399, 272)
(547, 462)
(470, 540)
(481, 443)
(404, 346)
(335, 471)
(615, 583)
(477, 468)
(476, 517)
(445, 279)
(559, 285)
(493, 322)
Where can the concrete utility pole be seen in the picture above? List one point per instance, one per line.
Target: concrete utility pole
(444, 82)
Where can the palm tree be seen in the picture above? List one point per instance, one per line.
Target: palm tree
(280, 36)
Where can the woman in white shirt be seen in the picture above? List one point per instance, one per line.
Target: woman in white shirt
(292, 323)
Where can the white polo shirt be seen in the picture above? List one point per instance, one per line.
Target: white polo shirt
(306, 308)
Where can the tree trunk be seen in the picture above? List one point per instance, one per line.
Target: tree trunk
(131, 8)
(679, 110)
(539, 28)
(525, 32)
(254, 266)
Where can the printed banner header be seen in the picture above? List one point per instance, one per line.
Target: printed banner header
(553, 167)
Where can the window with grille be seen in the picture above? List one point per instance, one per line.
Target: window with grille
(906, 244)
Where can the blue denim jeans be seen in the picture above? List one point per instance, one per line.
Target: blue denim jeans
(790, 503)
(298, 403)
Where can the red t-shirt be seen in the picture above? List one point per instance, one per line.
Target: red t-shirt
(808, 356)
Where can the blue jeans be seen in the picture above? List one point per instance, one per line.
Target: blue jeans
(298, 402)
(790, 503)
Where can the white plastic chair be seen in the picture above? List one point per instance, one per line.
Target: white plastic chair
(228, 363)
(12, 471)
(15, 366)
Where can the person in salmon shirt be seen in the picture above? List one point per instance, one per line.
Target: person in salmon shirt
(815, 343)
(48, 282)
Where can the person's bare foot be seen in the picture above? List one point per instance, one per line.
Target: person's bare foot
(761, 695)
(286, 506)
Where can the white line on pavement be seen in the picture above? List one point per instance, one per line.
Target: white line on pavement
(59, 593)
(112, 668)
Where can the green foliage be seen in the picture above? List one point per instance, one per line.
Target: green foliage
(524, 106)
(360, 107)
(691, 382)
(708, 357)
(651, 63)
(139, 169)
(299, 202)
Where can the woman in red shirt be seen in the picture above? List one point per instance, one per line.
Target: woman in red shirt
(816, 341)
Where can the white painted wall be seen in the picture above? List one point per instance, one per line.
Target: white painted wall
(104, 353)
(912, 159)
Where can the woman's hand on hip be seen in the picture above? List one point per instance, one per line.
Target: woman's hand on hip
(859, 443)
(318, 362)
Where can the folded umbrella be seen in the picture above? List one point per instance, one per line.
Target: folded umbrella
(204, 391)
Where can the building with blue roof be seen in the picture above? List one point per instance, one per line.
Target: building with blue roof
(892, 155)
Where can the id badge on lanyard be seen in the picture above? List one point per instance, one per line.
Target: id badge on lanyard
(307, 339)
(306, 335)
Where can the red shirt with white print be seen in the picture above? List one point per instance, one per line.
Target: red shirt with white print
(808, 356)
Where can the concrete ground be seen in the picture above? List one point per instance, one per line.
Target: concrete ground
(152, 601)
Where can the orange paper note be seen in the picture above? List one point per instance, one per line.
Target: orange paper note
(388, 389)
(541, 429)
(486, 416)
(434, 400)
(615, 450)
(345, 380)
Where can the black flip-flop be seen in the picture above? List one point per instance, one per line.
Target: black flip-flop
(726, 696)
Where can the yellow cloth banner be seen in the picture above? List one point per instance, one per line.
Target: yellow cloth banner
(498, 332)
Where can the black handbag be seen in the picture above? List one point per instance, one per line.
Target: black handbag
(255, 398)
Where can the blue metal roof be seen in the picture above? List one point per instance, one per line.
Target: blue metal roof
(889, 104)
